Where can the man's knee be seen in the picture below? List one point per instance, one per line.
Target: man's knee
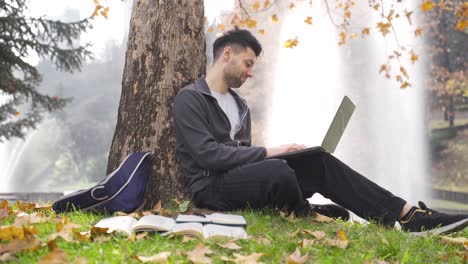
(282, 175)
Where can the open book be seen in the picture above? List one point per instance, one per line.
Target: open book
(166, 225)
(215, 218)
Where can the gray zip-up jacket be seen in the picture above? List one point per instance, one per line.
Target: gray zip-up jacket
(203, 142)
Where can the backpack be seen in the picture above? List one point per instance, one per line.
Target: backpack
(122, 190)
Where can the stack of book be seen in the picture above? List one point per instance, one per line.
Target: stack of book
(213, 226)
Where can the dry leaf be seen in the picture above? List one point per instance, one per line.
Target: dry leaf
(292, 5)
(336, 243)
(210, 29)
(187, 239)
(56, 256)
(297, 258)
(341, 234)
(261, 32)
(229, 245)
(414, 57)
(25, 206)
(65, 229)
(241, 259)
(384, 28)
(157, 207)
(81, 260)
(322, 219)
(198, 255)
(427, 5)
(317, 234)
(256, 6)
(308, 20)
(365, 31)
(7, 257)
(24, 218)
(3, 213)
(31, 242)
(455, 240)
(262, 240)
(418, 32)
(306, 243)
(158, 258)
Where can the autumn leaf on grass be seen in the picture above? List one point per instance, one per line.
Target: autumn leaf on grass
(24, 218)
(3, 213)
(384, 28)
(290, 43)
(65, 229)
(56, 256)
(262, 240)
(198, 255)
(7, 257)
(308, 20)
(158, 258)
(230, 245)
(139, 236)
(11, 232)
(306, 243)
(297, 258)
(317, 234)
(28, 242)
(241, 259)
(186, 239)
(427, 5)
(341, 240)
(25, 206)
(455, 240)
(100, 234)
(322, 219)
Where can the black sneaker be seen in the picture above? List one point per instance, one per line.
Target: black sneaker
(423, 221)
(331, 210)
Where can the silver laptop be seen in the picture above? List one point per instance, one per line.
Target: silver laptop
(334, 133)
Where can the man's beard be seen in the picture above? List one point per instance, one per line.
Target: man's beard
(234, 81)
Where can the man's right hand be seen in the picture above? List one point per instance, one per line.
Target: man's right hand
(283, 149)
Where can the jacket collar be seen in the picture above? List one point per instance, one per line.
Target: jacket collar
(202, 86)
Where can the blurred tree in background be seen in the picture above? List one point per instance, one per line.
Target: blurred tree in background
(21, 36)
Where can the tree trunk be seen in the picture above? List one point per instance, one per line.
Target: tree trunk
(165, 52)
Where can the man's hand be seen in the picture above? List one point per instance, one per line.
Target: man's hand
(283, 149)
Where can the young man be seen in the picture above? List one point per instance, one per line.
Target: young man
(226, 173)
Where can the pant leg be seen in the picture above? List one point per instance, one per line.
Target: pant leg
(323, 173)
(266, 183)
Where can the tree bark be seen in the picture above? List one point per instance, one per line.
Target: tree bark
(165, 52)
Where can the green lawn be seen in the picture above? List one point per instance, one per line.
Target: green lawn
(269, 234)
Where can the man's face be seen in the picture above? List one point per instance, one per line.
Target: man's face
(239, 66)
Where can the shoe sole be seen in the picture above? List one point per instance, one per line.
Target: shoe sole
(444, 229)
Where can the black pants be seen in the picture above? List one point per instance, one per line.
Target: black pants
(275, 182)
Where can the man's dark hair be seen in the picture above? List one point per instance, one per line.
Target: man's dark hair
(236, 37)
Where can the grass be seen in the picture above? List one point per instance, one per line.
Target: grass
(437, 124)
(366, 243)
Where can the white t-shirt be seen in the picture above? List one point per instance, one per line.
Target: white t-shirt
(229, 105)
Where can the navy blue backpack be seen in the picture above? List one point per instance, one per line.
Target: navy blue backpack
(122, 190)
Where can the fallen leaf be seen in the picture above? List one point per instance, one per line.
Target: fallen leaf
(56, 256)
(187, 239)
(81, 260)
(198, 255)
(341, 234)
(25, 206)
(41, 208)
(336, 243)
(306, 243)
(3, 213)
(317, 234)
(183, 207)
(297, 258)
(241, 259)
(7, 257)
(158, 258)
(24, 218)
(454, 240)
(29, 242)
(65, 229)
(157, 207)
(11, 232)
(229, 245)
(262, 240)
(322, 219)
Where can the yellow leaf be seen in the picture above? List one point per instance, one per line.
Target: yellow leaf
(376, 7)
(405, 85)
(290, 43)
(205, 20)
(261, 32)
(250, 23)
(17, 113)
(341, 234)
(292, 5)
(353, 35)
(462, 24)
(414, 57)
(308, 20)
(342, 38)
(347, 14)
(198, 254)
(250, 259)
(104, 12)
(235, 20)
(322, 218)
(256, 6)
(365, 31)
(384, 28)
(404, 72)
(266, 4)
(210, 29)
(274, 19)
(221, 27)
(427, 5)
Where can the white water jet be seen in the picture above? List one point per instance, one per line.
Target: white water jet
(385, 139)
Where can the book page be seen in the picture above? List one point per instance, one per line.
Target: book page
(192, 218)
(154, 223)
(227, 219)
(187, 229)
(212, 231)
(118, 223)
